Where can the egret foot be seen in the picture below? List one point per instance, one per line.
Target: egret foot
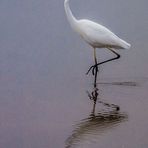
(94, 69)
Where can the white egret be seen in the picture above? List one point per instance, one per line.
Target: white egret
(95, 35)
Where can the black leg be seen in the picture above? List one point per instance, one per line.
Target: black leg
(95, 66)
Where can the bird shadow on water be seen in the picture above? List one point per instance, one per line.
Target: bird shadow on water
(89, 129)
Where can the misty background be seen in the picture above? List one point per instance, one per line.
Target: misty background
(43, 64)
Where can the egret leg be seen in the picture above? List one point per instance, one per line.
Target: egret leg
(96, 65)
(95, 70)
(95, 59)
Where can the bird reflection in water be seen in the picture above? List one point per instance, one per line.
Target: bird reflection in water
(88, 130)
(95, 93)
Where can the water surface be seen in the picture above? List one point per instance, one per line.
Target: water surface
(44, 92)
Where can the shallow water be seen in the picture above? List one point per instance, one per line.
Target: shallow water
(45, 96)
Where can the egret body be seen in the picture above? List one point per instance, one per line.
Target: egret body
(95, 35)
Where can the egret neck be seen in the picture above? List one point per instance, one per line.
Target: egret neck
(72, 20)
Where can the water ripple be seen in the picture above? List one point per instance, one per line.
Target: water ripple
(89, 129)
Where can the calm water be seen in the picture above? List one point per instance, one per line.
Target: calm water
(45, 96)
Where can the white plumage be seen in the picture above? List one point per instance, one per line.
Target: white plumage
(99, 36)
(95, 35)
